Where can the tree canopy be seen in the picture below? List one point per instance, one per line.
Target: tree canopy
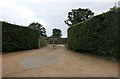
(113, 8)
(43, 32)
(57, 33)
(78, 15)
(36, 25)
(39, 27)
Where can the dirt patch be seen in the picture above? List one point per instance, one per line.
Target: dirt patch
(37, 61)
(58, 62)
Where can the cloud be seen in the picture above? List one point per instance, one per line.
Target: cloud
(16, 13)
(71, 1)
(50, 13)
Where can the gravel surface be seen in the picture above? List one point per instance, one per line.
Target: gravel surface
(56, 62)
(37, 61)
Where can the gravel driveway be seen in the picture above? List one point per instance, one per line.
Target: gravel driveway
(58, 62)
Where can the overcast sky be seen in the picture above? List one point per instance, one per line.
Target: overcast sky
(50, 13)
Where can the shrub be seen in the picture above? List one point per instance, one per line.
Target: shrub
(42, 42)
(16, 37)
(98, 35)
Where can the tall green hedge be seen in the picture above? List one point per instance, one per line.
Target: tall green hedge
(16, 37)
(43, 42)
(98, 35)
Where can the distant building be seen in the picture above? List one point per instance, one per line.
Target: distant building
(119, 4)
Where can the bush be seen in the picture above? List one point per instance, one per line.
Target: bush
(16, 37)
(98, 35)
(42, 42)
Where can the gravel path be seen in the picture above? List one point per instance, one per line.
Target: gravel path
(58, 62)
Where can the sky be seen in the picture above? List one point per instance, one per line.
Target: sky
(50, 13)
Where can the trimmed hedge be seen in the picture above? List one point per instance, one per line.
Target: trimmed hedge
(16, 38)
(43, 42)
(58, 41)
(98, 35)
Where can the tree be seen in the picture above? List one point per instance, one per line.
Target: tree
(113, 8)
(36, 26)
(56, 36)
(78, 15)
(39, 27)
(43, 32)
(56, 33)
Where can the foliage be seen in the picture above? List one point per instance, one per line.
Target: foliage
(113, 8)
(64, 40)
(56, 33)
(98, 35)
(43, 32)
(43, 42)
(78, 15)
(38, 27)
(16, 37)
